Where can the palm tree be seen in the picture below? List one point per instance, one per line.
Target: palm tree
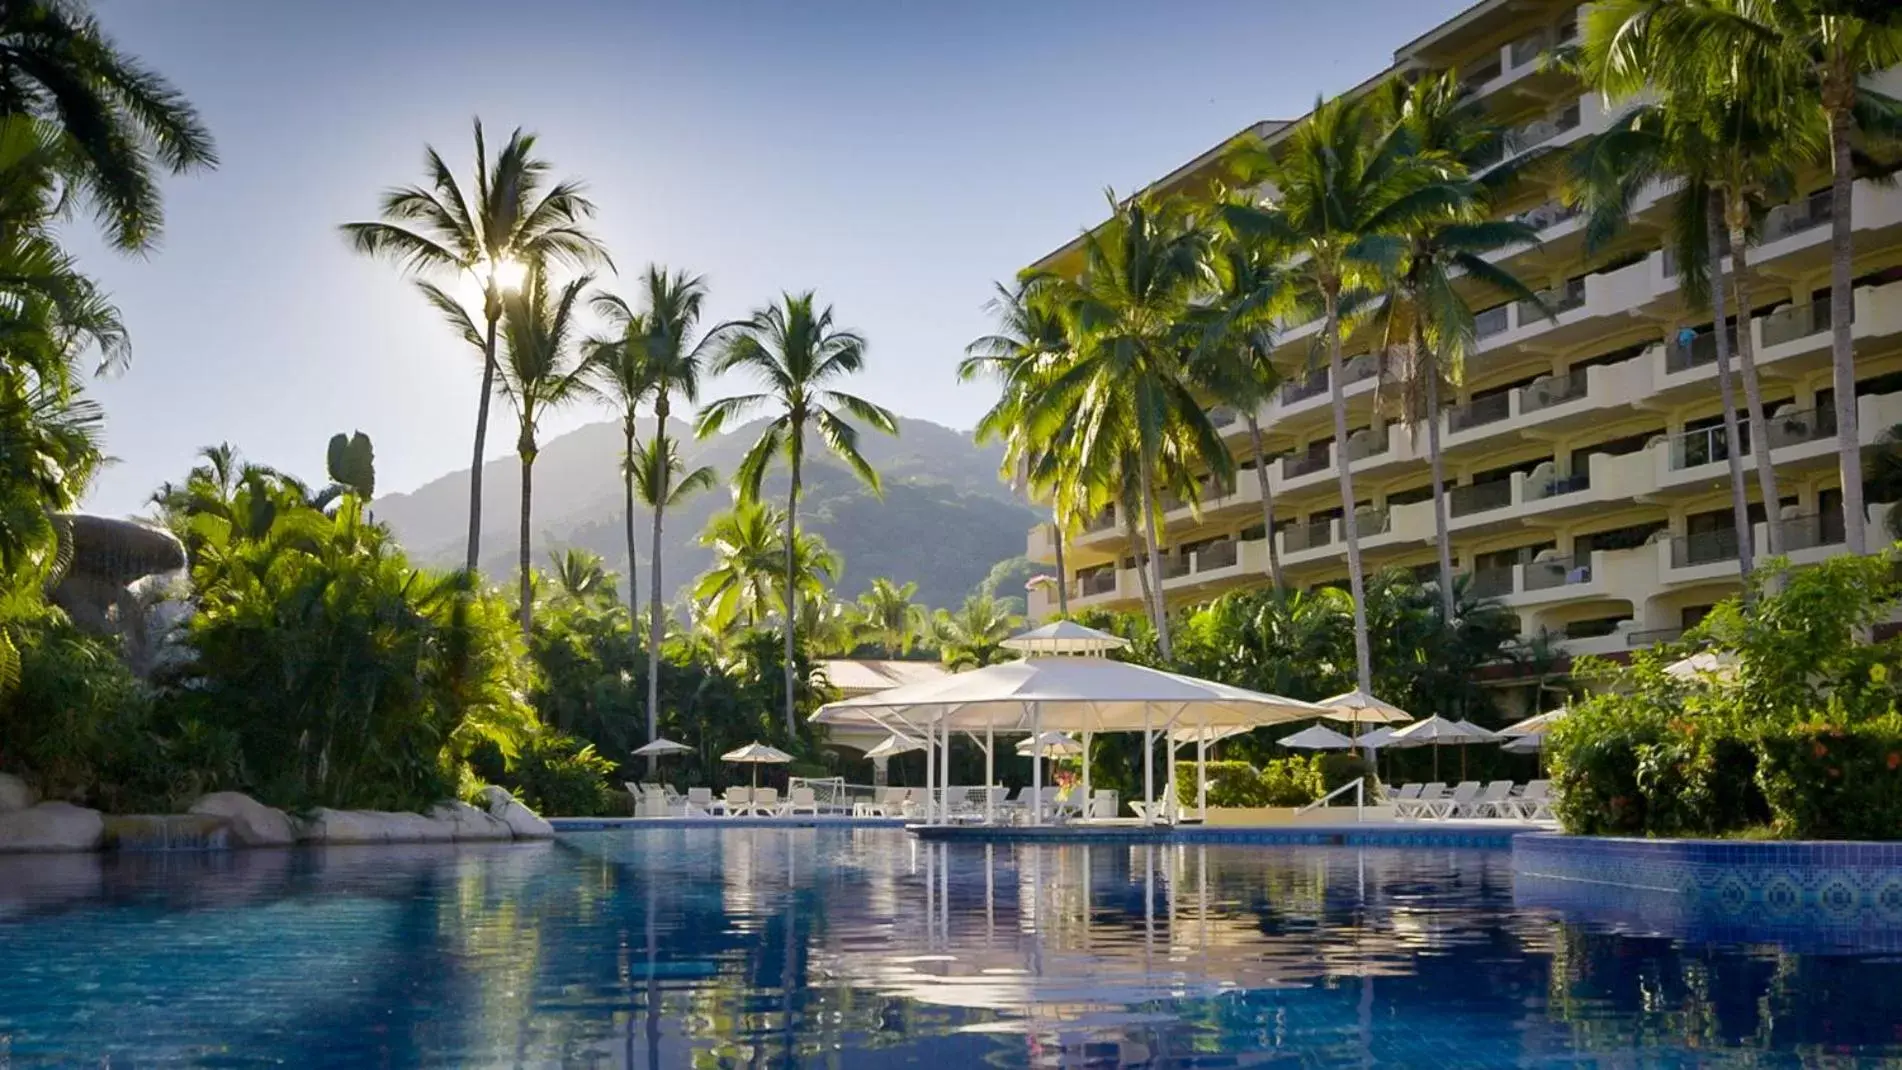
(650, 357)
(1650, 144)
(1128, 391)
(1789, 56)
(1348, 183)
(515, 218)
(544, 370)
(973, 637)
(1237, 338)
(747, 555)
(582, 575)
(1424, 314)
(663, 482)
(1029, 346)
(796, 353)
(888, 617)
(121, 122)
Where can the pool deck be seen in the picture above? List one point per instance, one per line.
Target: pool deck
(802, 821)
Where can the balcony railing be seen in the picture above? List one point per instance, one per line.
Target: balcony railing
(1549, 214)
(1221, 416)
(1546, 575)
(1495, 320)
(1704, 548)
(1538, 132)
(1480, 411)
(1791, 322)
(1491, 582)
(1216, 555)
(1364, 444)
(1102, 521)
(1174, 565)
(1701, 350)
(1653, 636)
(1555, 391)
(1359, 368)
(1707, 445)
(1805, 425)
(1307, 536)
(1809, 532)
(1295, 390)
(1787, 219)
(1558, 300)
(1102, 581)
(1480, 75)
(1530, 47)
(1296, 465)
(1371, 521)
(1481, 497)
(1561, 485)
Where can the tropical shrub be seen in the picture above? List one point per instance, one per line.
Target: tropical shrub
(1831, 782)
(561, 775)
(1294, 781)
(1231, 784)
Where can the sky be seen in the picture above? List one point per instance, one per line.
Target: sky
(896, 156)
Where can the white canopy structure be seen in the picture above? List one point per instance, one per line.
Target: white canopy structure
(1317, 737)
(1073, 694)
(1065, 637)
(1359, 707)
(661, 745)
(894, 744)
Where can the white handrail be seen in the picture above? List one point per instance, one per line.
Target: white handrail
(1358, 786)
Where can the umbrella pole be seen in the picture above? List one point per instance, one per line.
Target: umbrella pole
(944, 766)
(1436, 761)
(1036, 764)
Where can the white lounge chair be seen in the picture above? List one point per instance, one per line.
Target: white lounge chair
(1535, 802)
(766, 802)
(1494, 801)
(1103, 805)
(879, 805)
(801, 800)
(699, 802)
(1163, 811)
(1455, 804)
(1431, 794)
(1403, 799)
(736, 801)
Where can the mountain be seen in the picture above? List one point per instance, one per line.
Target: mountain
(944, 521)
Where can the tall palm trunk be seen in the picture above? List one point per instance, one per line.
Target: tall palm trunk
(1063, 576)
(1350, 528)
(627, 487)
(792, 594)
(1733, 449)
(1842, 307)
(526, 447)
(1753, 395)
(1267, 502)
(654, 621)
(1134, 539)
(481, 442)
(1437, 463)
(1148, 470)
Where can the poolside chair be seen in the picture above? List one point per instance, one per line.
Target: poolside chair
(1455, 804)
(1404, 799)
(640, 797)
(911, 802)
(736, 801)
(1494, 801)
(800, 800)
(1535, 803)
(1431, 795)
(699, 802)
(876, 806)
(1103, 805)
(1068, 806)
(766, 802)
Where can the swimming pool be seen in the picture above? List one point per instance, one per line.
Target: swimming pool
(865, 948)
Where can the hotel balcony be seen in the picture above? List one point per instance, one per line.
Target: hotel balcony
(1797, 438)
(1517, 67)
(1808, 539)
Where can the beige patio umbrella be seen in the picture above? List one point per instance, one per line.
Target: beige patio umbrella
(1536, 725)
(1358, 707)
(1437, 731)
(757, 754)
(1317, 737)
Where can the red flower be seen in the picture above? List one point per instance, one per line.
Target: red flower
(1818, 750)
(1894, 761)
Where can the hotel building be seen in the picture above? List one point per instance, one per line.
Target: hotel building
(1587, 483)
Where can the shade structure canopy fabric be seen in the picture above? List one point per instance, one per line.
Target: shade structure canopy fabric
(1362, 708)
(1438, 731)
(661, 745)
(1065, 637)
(894, 744)
(1375, 738)
(1317, 737)
(1067, 694)
(1536, 725)
(757, 754)
(1050, 745)
(1525, 744)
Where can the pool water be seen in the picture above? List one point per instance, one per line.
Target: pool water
(863, 948)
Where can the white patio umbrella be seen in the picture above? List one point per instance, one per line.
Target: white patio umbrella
(660, 746)
(894, 744)
(1075, 694)
(756, 755)
(1437, 731)
(1375, 738)
(1536, 725)
(1317, 737)
(1359, 707)
(1525, 744)
(1065, 637)
(1050, 745)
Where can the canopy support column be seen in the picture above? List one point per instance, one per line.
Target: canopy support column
(1088, 799)
(1149, 770)
(1202, 771)
(944, 773)
(931, 773)
(1036, 763)
(990, 775)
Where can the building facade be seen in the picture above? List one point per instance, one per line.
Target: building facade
(1587, 479)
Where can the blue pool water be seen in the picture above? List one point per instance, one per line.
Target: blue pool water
(841, 948)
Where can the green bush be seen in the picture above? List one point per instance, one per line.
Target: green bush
(1294, 781)
(1231, 785)
(1827, 782)
(561, 776)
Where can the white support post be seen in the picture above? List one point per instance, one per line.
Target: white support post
(1036, 764)
(990, 773)
(1149, 770)
(931, 773)
(1088, 799)
(1202, 769)
(944, 764)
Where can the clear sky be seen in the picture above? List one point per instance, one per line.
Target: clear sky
(895, 155)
